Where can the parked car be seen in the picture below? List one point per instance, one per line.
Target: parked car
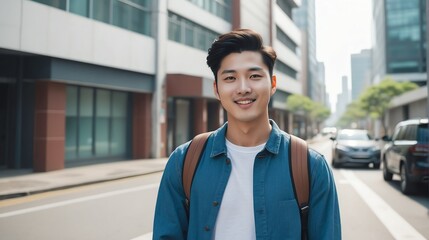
(407, 154)
(355, 146)
(331, 131)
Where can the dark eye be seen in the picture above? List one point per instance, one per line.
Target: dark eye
(229, 78)
(255, 76)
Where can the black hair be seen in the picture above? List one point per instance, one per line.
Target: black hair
(238, 41)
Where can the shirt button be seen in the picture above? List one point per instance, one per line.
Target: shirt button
(228, 161)
(206, 228)
(215, 203)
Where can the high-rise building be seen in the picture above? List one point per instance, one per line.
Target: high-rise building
(361, 72)
(93, 80)
(305, 19)
(343, 98)
(321, 79)
(400, 44)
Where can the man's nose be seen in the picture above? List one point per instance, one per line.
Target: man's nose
(243, 86)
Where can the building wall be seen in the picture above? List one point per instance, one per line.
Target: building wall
(284, 54)
(36, 28)
(186, 60)
(255, 14)
(378, 33)
(304, 17)
(412, 104)
(64, 49)
(360, 68)
(399, 41)
(198, 15)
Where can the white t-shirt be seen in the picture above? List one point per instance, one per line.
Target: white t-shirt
(236, 215)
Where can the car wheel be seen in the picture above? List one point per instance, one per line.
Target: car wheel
(334, 163)
(386, 174)
(407, 187)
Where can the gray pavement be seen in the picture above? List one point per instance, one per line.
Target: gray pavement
(31, 183)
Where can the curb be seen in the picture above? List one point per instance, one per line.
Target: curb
(28, 193)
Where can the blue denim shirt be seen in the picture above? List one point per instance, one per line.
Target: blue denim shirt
(276, 211)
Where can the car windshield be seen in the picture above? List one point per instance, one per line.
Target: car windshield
(423, 133)
(353, 135)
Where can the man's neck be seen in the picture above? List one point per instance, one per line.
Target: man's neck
(248, 134)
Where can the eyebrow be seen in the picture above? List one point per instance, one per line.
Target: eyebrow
(234, 71)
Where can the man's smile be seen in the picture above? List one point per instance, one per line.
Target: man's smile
(244, 101)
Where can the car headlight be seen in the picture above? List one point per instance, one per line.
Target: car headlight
(342, 148)
(375, 149)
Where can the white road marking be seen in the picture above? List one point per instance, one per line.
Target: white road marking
(147, 236)
(343, 181)
(77, 200)
(397, 226)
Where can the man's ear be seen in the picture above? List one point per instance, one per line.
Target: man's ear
(216, 92)
(273, 84)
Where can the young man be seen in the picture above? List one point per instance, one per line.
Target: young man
(242, 188)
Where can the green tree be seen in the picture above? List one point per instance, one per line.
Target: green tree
(302, 104)
(375, 100)
(319, 113)
(354, 112)
(298, 103)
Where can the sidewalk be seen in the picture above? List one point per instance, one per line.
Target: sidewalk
(32, 183)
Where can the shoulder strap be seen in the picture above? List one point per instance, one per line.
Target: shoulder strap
(299, 169)
(191, 161)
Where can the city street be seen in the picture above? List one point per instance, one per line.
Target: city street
(123, 209)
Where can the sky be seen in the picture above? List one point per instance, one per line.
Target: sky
(343, 27)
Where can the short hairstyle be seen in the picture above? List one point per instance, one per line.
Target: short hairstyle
(238, 41)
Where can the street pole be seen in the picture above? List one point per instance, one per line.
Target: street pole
(427, 55)
(159, 100)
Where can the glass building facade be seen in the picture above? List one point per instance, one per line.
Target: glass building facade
(220, 8)
(96, 123)
(184, 31)
(405, 36)
(134, 15)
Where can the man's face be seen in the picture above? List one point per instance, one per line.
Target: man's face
(244, 86)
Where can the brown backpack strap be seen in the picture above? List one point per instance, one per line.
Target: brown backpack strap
(299, 169)
(191, 161)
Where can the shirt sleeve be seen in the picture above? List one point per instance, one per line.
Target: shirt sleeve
(324, 215)
(171, 221)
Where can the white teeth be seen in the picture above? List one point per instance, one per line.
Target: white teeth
(244, 102)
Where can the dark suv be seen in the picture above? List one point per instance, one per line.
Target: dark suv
(407, 154)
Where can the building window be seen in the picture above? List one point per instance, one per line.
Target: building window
(286, 40)
(284, 68)
(96, 123)
(405, 36)
(183, 31)
(79, 7)
(61, 4)
(220, 8)
(101, 11)
(285, 7)
(134, 15)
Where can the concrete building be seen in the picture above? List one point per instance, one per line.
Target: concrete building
(305, 18)
(361, 72)
(322, 84)
(343, 98)
(400, 47)
(410, 105)
(95, 80)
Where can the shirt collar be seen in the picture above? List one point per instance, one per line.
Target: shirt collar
(272, 145)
